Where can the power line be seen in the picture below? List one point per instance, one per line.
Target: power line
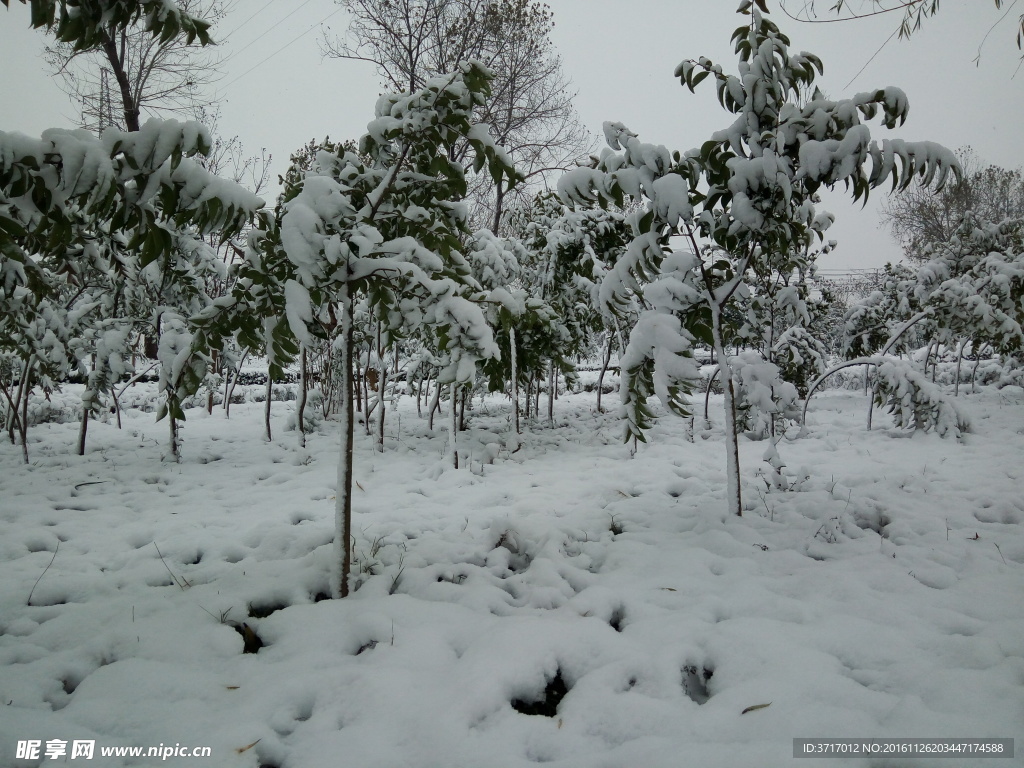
(290, 42)
(261, 10)
(866, 63)
(271, 29)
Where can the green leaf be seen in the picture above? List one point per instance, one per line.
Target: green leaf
(698, 78)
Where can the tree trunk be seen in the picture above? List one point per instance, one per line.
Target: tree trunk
(83, 428)
(358, 389)
(227, 387)
(871, 403)
(13, 421)
(974, 370)
(453, 426)
(11, 416)
(435, 405)
(209, 394)
(515, 378)
(604, 369)
(266, 408)
(173, 427)
(21, 401)
(234, 382)
(23, 425)
(732, 446)
(499, 201)
(343, 496)
(382, 375)
(551, 393)
(131, 109)
(959, 359)
(300, 423)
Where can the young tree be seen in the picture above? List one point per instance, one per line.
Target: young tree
(530, 112)
(381, 223)
(743, 201)
(572, 251)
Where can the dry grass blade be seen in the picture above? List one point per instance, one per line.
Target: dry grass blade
(182, 583)
(246, 748)
(755, 707)
(31, 591)
(91, 482)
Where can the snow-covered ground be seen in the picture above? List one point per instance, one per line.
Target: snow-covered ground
(884, 598)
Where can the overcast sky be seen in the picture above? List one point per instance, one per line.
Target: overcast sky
(278, 92)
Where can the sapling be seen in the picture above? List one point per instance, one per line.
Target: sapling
(744, 202)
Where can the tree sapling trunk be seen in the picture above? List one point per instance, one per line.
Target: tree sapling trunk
(300, 415)
(266, 408)
(343, 496)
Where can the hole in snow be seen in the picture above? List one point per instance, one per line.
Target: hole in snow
(251, 642)
(262, 610)
(547, 703)
(617, 617)
(367, 647)
(695, 682)
(55, 599)
(234, 556)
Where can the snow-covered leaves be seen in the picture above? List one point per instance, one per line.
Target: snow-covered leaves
(971, 290)
(99, 236)
(915, 402)
(381, 221)
(764, 400)
(59, 189)
(657, 361)
(86, 23)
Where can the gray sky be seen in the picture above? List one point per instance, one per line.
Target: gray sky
(278, 93)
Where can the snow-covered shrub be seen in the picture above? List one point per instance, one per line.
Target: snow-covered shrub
(764, 402)
(800, 356)
(914, 401)
(777, 476)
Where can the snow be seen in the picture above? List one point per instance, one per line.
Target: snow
(884, 599)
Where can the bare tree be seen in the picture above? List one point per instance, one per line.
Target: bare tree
(133, 72)
(530, 112)
(922, 217)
